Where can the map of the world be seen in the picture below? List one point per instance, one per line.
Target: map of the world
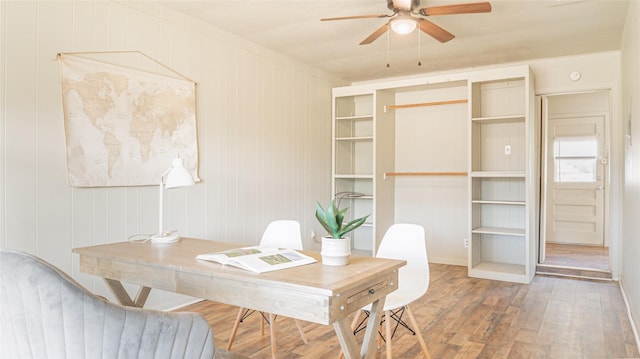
(123, 126)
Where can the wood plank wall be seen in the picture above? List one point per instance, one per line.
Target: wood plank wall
(263, 122)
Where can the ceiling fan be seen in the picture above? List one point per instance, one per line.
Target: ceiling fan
(404, 19)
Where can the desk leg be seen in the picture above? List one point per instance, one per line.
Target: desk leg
(272, 334)
(348, 340)
(123, 297)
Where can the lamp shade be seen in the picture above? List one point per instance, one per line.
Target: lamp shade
(178, 176)
(403, 24)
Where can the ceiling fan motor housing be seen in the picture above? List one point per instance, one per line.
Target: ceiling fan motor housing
(395, 5)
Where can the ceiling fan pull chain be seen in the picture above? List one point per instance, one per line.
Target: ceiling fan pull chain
(419, 52)
(388, 46)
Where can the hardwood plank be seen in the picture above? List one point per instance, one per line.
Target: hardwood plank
(576, 256)
(461, 317)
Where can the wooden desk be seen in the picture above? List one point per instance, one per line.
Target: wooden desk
(315, 292)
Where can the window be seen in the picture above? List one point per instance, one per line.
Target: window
(575, 159)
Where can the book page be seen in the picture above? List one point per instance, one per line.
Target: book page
(259, 259)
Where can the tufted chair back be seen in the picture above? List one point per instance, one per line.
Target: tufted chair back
(46, 314)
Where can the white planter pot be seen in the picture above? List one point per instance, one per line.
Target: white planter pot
(335, 251)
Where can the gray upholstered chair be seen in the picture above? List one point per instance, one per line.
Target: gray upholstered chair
(44, 313)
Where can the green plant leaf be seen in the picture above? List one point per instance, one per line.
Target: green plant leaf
(340, 216)
(332, 219)
(322, 217)
(352, 225)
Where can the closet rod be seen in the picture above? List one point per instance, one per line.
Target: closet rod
(437, 103)
(386, 174)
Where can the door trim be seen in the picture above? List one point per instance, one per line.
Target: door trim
(542, 108)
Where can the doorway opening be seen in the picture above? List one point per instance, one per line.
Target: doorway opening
(574, 159)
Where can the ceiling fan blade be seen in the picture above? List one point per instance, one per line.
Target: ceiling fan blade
(471, 8)
(434, 30)
(376, 34)
(355, 17)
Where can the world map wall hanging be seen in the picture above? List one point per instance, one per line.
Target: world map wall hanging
(124, 125)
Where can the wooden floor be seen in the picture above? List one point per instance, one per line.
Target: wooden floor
(463, 317)
(568, 255)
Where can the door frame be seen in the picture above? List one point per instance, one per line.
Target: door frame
(542, 107)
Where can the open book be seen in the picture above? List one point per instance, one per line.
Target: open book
(259, 259)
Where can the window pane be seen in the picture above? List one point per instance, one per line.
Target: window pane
(575, 170)
(576, 146)
(575, 159)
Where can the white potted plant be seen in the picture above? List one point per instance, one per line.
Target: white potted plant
(336, 248)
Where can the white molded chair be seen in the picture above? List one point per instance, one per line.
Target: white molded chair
(406, 242)
(282, 234)
(279, 234)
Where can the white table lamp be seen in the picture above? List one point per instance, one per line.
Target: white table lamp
(174, 177)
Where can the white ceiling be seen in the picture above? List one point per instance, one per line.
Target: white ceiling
(515, 30)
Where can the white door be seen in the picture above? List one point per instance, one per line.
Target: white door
(574, 174)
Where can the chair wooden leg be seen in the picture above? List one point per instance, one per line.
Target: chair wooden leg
(414, 323)
(379, 337)
(272, 330)
(235, 329)
(356, 318)
(262, 324)
(387, 332)
(304, 338)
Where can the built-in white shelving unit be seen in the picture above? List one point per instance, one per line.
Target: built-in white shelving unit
(502, 165)
(359, 161)
(503, 175)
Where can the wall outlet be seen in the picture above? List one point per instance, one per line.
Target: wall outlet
(466, 242)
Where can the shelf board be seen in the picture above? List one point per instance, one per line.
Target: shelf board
(500, 271)
(438, 173)
(519, 232)
(500, 267)
(357, 138)
(502, 174)
(352, 176)
(357, 197)
(499, 119)
(358, 117)
(436, 103)
(515, 203)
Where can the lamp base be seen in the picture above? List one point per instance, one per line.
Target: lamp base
(165, 238)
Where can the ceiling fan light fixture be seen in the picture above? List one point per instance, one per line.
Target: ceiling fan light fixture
(403, 25)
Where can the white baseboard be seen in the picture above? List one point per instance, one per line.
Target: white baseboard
(449, 261)
(633, 325)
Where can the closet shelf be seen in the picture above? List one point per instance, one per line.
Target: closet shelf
(518, 232)
(498, 174)
(514, 203)
(407, 174)
(503, 271)
(423, 104)
(357, 117)
(353, 176)
(355, 138)
(499, 119)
